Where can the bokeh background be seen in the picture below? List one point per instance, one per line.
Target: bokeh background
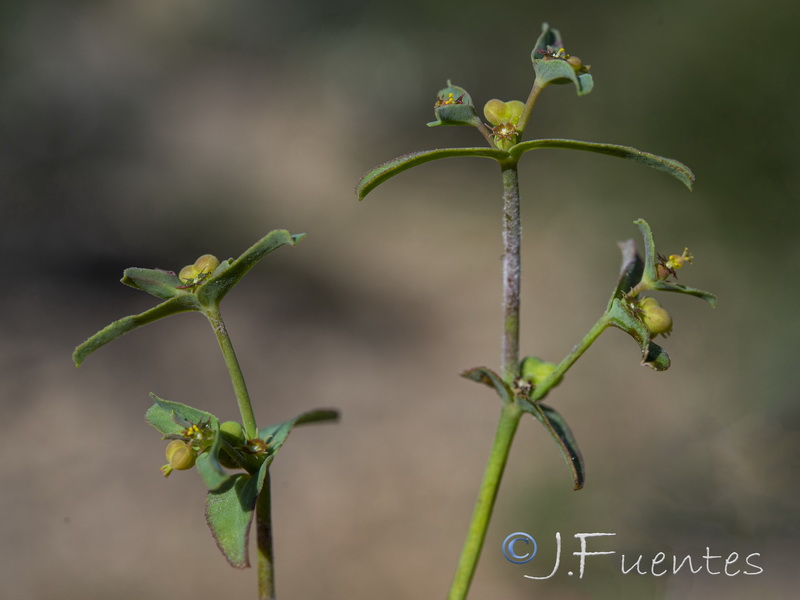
(147, 133)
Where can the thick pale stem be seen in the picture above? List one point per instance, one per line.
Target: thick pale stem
(235, 371)
(506, 428)
(266, 564)
(512, 237)
(510, 415)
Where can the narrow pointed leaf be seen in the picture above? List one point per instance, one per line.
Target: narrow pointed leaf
(119, 328)
(669, 286)
(668, 165)
(488, 377)
(276, 435)
(159, 283)
(219, 284)
(650, 256)
(382, 172)
(563, 437)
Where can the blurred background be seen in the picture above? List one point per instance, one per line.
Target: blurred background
(147, 133)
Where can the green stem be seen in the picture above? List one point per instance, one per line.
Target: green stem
(266, 566)
(555, 377)
(485, 132)
(526, 112)
(506, 428)
(235, 371)
(510, 415)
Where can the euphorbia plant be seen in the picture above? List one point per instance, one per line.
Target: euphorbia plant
(232, 458)
(523, 383)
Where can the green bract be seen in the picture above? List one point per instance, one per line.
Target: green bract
(553, 65)
(454, 107)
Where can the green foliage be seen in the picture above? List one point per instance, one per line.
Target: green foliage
(197, 438)
(180, 298)
(526, 383)
(562, 436)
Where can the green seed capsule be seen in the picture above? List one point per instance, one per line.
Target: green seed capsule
(232, 432)
(206, 264)
(657, 320)
(535, 370)
(180, 455)
(187, 273)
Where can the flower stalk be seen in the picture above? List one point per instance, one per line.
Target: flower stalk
(234, 370)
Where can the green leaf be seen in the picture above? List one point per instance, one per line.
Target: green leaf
(215, 287)
(562, 435)
(656, 357)
(488, 377)
(159, 283)
(160, 415)
(556, 70)
(667, 165)
(653, 355)
(178, 304)
(230, 508)
(668, 286)
(229, 513)
(630, 272)
(455, 114)
(208, 466)
(377, 175)
(276, 435)
(650, 256)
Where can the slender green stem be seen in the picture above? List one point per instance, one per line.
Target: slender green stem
(235, 371)
(506, 428)
(526, 112)
(510, 415)
(266, 560)
(553, 379)
(485, 132)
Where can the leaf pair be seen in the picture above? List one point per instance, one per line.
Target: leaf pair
(181, 298)
(231, 498)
